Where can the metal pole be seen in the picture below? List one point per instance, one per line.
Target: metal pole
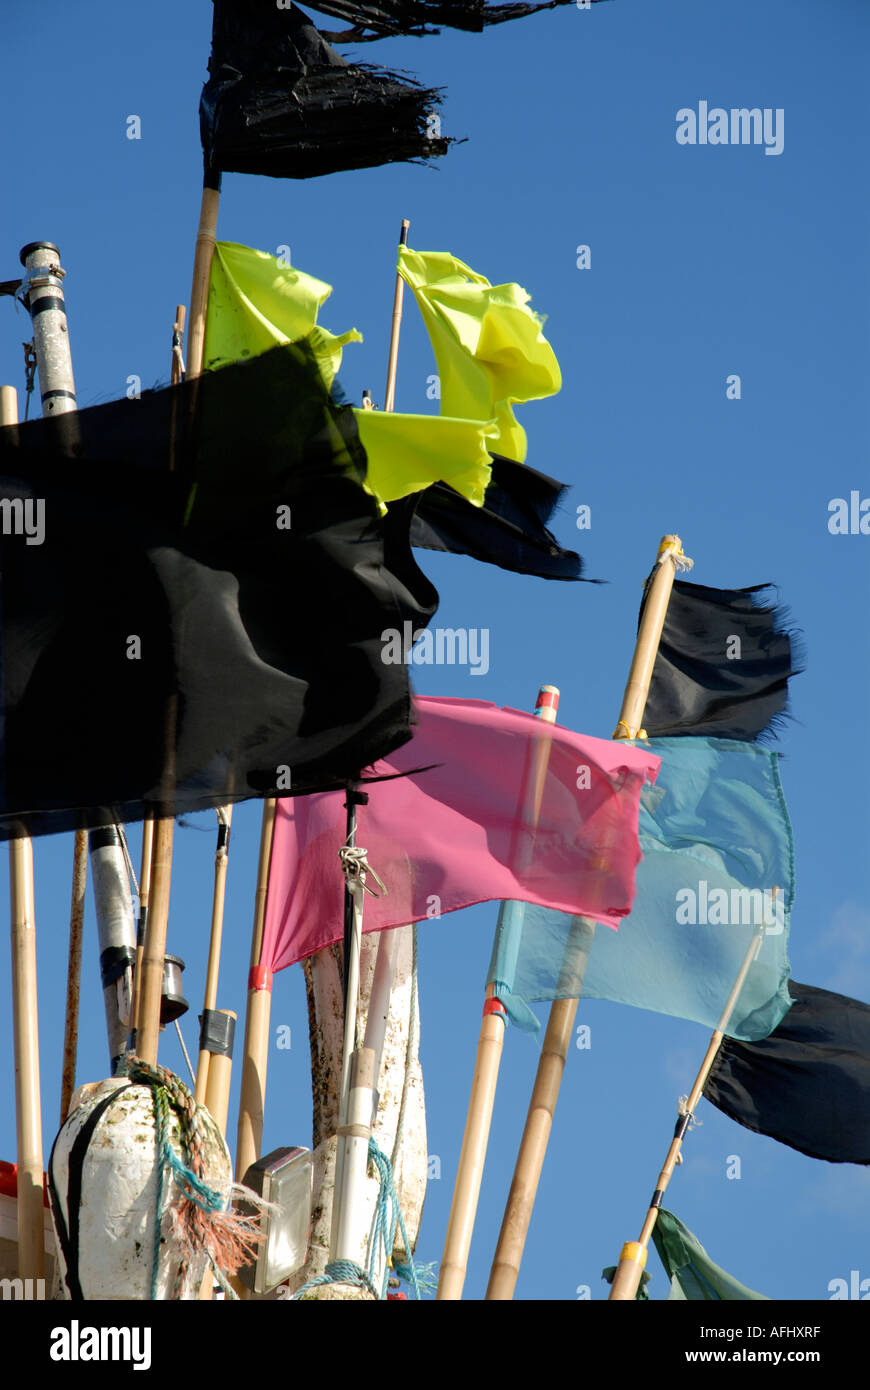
(117, 934)
(43, 296)
(42, 292)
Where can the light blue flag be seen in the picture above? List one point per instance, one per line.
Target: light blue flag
(717, 877)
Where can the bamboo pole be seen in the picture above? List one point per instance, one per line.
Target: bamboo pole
(560, 1024)
(469, 1174)
(74, 971)
(206, 238)
(256, 1048)
(144, 894)
(154, 947)
(633, 1256)
(393, 365)
(209, 1003)
(158, 916)
(217, 1096)
(25, 1023)
(31, 1262)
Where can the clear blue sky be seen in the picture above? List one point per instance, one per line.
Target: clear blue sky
(705, 261)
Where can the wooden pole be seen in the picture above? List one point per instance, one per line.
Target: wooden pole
(633, 1256)
(217, 1096)
(26, 1048)
(560, 1024)
(144, 894)
(256, 1048)
(154, 947)
(225, 815)
(469, 1175)
(392, 368)
(206, 238)
(25, 1024)
(74, 972)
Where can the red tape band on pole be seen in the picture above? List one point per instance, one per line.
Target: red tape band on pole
(260, 977)
(494, 1006)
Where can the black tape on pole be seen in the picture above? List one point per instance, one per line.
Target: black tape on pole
(217, 1032)
(113, 962)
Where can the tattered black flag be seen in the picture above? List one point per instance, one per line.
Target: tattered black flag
(723, 664)
(194, 586)
(509, 530)
(375, 19)
(280, 101)
(808, 1084)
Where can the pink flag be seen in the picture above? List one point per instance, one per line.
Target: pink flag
(465, 830)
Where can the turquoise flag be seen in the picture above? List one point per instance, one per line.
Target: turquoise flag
(717, 876)
(693, 1275)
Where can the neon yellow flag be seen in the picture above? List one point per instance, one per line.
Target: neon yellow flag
(488, 344)
(256, 302)
(408, 453)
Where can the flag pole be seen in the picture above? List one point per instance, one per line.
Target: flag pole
(154, 948)
(560, 1024)
(392, 368)
(206, 238)
(25, 1023)
(209, 1003)
(144, 893)
(469, 1174)
(256, 1048)
(74, 972)
(633, 1256)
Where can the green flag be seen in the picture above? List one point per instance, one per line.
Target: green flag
(489, 345)
(693, 1275)
(257, 302)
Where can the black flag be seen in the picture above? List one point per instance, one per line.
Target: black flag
(509, 530)
(280, 101)
(195, 584)
(723, 665)
(808, 1084)
(388, 17)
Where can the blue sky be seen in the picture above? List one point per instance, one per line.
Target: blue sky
(706, 261)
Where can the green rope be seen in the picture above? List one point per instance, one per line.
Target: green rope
(385, 1225)
(339, 1272)
(168, 1090)
(388, 1215)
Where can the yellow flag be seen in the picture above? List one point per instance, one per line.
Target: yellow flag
(256, 302)
(408, 453)
(488, 344)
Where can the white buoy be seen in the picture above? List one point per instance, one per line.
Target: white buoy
(104, 1184)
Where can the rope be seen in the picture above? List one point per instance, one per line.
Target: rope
(385, 1226)
(203, 1223)
(339, 1272)
(388, 1215)
(356, 866)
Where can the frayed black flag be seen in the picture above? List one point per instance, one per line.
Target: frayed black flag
(723, 665)
(280, 101)
(808, 1084)
(509, 530)
(195, 585)
(389, 17)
